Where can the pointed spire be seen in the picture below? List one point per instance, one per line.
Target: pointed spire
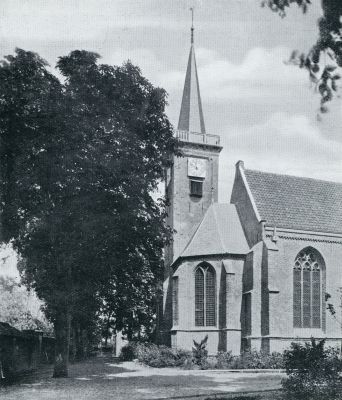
(191, 114)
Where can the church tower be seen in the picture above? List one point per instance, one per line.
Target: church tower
(192, 182)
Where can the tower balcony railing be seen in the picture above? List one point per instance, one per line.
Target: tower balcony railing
(196, 137)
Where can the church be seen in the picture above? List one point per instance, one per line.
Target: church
(253, 272)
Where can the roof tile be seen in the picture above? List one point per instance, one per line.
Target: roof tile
(220, 232)
(297, 203)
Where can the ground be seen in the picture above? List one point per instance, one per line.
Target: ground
(102, 378)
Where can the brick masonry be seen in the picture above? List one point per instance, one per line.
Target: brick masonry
(254, 291)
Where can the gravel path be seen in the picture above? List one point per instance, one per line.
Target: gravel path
(102, 379)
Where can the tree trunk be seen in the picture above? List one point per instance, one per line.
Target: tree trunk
(79, 343)
(62, 333)
(85, 344)
(73, 345)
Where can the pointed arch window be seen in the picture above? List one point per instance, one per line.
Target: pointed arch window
(308, 289)
(205, 296)
(175, 312)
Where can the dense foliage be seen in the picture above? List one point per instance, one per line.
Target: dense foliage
(200, 352)
(162, 356)
(79, 159)
(20, 307)
(325, 57)
(155, 356)
(312, 371)
(250, 360)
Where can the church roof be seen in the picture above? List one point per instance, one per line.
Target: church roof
(219, 232)
(191, 114)
(291, 202)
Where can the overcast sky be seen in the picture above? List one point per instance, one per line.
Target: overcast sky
(264, 110)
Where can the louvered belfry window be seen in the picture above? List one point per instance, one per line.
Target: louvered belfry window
(307, 289)
(205, 296)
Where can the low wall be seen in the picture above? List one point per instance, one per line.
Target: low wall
(22, 351)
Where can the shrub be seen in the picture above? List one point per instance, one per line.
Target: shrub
(250, 360)
(274, 360)
(259, 360)
(225, 360)
(200, 353)
(210, 362)
(161, 356)
(127, 352)
(312, 370)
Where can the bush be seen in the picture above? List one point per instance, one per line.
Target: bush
(161, 356)
(259, 360)
(313, 371)
(156, 356)
(127, 352)
(225, 360)
(250, 360)
(200, 353)
(210, 362)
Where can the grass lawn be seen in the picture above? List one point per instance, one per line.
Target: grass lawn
(102, 378)
(270, 395)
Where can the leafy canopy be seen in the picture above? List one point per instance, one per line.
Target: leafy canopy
(325, 56)
(20, 307)
(79, 160)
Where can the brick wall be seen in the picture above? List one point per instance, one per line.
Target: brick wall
(272, 305)
(186, 211)
(226, 335)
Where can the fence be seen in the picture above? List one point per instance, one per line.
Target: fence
(22, 351)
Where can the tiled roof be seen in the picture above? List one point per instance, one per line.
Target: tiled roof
(220, 232)
(291, 202)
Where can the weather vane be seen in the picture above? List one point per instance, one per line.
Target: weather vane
(192, 24)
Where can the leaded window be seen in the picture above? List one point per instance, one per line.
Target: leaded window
(175, 300)
(205, 296)
(307, 289)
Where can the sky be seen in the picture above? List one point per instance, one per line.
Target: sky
(264, 110)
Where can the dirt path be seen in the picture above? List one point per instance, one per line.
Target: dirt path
(102, 379)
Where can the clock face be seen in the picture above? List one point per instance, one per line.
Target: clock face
(197, 167)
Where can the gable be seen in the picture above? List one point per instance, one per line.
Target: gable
(248, 214)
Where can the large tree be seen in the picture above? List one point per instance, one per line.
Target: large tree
(323, 74)
(79, 160)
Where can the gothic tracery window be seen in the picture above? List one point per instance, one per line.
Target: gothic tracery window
(175, 312)
(307, 289)
(205, 296)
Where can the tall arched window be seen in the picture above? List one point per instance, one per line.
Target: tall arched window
(205, 296)
(307, 289)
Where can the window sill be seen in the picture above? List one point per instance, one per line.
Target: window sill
(195, 328)
(309, 332)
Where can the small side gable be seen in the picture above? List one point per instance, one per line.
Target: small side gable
(246, 207)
